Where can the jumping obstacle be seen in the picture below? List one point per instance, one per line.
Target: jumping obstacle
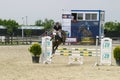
(46, 50)
(81, 51)
(76, 55)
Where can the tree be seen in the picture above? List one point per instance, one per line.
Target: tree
(28, 33)
(39, 23)
(47, 24)
(117, 28)
(112, 29)
(1, 22)
(109, 26)
(11, 26)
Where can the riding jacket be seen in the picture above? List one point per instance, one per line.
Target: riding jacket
(57, 28)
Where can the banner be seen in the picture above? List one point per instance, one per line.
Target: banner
(46, 49)
(66, 21)
(106, 51)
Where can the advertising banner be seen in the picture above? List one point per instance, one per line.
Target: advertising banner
(106, 51)
(66, 21)
(46, 49)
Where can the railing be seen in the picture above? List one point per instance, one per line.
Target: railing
(47, 33)
(30, 40)
(115, 40)
(20, 40)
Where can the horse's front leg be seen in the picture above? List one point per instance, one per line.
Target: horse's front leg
(53, 50)
(56, 47)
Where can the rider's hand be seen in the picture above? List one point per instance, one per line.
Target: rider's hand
(60, 30)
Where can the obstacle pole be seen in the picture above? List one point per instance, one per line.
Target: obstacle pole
(96, 63)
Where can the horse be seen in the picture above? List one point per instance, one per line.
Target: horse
(57, 40)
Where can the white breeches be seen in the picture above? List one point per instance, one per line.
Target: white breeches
(55, 32)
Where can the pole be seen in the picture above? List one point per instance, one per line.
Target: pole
(22, 33)
(96, 63)
(22, 28)
(26, 21)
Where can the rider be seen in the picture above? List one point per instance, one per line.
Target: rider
(57, 29)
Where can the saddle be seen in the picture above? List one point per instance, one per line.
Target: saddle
(57, 37)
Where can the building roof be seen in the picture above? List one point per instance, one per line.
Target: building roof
(31, 27)
(2, 27)
(87, 10)
(25, 27)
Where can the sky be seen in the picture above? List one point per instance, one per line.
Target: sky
(34, 10)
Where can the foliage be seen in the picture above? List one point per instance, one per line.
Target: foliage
(11, 25)
(47, 24)
(112, 29)
(28, 32)
(112, 26)
(35, 49)
(116, 52)
(117, 27)
(39, 23)
(109, 26)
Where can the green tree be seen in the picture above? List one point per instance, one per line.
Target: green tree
(11, 26)
(47, 23)
(39, 23)
(28, 33)
(1, 22)
(112, 29)
(109, 26)
(117, 28)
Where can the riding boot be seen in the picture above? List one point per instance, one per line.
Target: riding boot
(62, 39)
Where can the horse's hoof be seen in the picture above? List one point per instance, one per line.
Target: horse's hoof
(52, 56)
(46, 63)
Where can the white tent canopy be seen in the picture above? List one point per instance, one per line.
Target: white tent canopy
(31, 27)
(25, 27)
(2, 27)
